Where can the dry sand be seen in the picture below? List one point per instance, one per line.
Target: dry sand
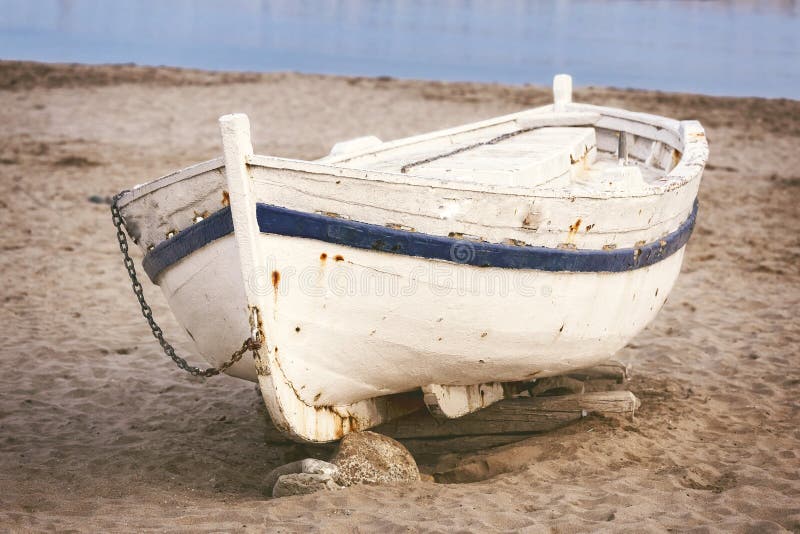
(98, 431)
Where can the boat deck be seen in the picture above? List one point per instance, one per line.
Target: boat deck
(507, 154)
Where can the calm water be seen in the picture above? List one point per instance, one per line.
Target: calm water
(715, 47)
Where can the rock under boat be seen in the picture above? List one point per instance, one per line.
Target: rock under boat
(459, 262)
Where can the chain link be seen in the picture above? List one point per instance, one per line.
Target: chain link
(253, 343)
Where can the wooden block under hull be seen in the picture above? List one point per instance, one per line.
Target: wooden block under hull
(504, 422)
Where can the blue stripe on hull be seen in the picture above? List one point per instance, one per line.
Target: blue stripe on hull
(291, 223)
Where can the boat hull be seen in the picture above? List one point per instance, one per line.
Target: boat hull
(356, 284)
(350, 324)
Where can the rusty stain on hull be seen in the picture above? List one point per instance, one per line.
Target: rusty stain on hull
(396, 226)
(676, 158)
(276, 279)
(257, 327)
(199, 216)
(573, 231)
(531, 221)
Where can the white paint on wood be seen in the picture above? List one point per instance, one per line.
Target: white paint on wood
(562, 92)
(288, 411)
(167, 198)
(456, 401)
(346, 339)
(394, 151)
(354, 145)
(622, 148)
(396, 156)
(237, 147)
(374, 323)
(525, 160)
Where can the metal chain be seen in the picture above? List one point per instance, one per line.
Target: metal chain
(252, 343)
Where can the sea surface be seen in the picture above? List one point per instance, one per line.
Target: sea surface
(739, 48)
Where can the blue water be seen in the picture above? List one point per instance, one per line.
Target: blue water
(715, 47)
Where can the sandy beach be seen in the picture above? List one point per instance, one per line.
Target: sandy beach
(100, 432)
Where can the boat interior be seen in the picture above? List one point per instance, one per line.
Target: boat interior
(539, 149)
(563, 150)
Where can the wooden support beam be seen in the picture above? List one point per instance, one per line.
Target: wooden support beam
(513, 416)
(562, 384)
(507, 421)
(616, 371)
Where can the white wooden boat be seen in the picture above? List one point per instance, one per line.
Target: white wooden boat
(459, 262)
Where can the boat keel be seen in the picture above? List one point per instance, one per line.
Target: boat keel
(319, 424)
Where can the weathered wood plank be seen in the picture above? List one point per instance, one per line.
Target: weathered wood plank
(505, 422)
(616, 371)
(561, 382)
(518, 415)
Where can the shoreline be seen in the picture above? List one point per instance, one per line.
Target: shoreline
(24, 74)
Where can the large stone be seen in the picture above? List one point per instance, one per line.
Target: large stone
(319, 467)
(309, 466)
(275, 474)
(303, 484)
(371, 458)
